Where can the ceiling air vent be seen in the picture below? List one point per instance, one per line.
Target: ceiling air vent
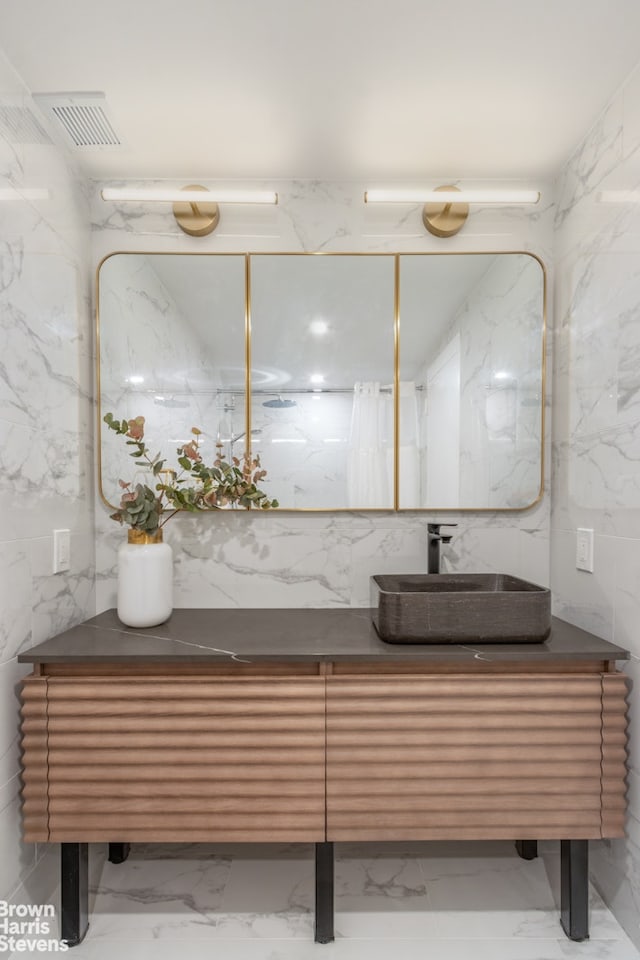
(83, 117)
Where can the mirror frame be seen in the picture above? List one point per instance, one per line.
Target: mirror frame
(396, 508)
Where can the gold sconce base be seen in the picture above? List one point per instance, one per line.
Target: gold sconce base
(196, 219)
(445, 219)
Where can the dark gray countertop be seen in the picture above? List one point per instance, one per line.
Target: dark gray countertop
(253, 635)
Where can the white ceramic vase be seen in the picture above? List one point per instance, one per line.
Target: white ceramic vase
(145, 580)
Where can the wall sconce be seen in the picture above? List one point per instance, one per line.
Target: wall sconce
(446, 208)
(195, 208)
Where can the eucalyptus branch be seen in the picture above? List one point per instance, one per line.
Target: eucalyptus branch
(212, 487)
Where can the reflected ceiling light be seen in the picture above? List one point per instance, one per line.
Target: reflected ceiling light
(135, 379)
(447, 208)
(319, 327)
(194, 207)
(316, 378)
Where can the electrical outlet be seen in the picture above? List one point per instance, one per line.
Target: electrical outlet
(61, 550)
(584, 549)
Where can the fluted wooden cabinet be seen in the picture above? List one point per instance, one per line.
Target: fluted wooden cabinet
(256, 753)
(475, 756)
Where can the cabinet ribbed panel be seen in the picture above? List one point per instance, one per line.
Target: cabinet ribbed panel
(35, 816)
(414, 756)
(202, 760)
(477, 757)
(615, 687)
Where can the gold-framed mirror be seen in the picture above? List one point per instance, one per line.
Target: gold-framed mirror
(365, 381)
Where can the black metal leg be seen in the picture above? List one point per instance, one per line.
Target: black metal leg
(574, 888)
(74, 892)
(118, 852)
(527, 849)
(324, 893)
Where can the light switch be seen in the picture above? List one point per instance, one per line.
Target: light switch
(61, 550)
(584, 549)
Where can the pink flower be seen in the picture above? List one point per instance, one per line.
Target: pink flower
(190, 450)
(136, 428)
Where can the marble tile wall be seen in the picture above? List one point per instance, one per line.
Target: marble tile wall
(596, 425)
(321, 559)
(46, 384)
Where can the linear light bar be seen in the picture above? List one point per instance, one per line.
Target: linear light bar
(452, 196)
(619, 196)
(24, 193)
(152, 195)
(445, 209)
(195, 208)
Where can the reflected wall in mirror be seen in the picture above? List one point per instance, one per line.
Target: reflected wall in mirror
(471, 381)
(322, 374)
(171, 349)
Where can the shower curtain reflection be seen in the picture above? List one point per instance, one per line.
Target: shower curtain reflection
(370, 456)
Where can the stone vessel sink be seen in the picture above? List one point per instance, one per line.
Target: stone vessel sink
(459, 608)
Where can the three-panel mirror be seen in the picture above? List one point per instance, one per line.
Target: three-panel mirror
(364, 381)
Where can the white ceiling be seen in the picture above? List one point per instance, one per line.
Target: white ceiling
(332, 89)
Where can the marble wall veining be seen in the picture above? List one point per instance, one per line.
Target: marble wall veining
(596, 432)
(46, 454)
(321, 559)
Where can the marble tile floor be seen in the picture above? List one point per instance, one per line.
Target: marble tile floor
(447, 901)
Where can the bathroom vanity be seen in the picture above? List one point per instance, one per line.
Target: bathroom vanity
(302, 725)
